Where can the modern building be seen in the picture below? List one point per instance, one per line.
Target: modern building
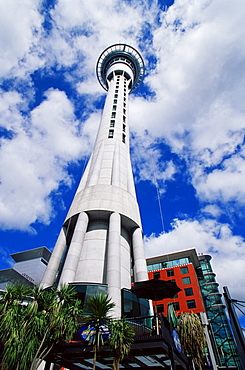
(183, 268)
(100, 242)
(28, 268)
(225, 349)
(200, 294)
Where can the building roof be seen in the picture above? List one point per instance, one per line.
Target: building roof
(190, 253)
(31, 254)
(12, 276)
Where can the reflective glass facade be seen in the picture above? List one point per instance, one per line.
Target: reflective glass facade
(226, 352)
(168, 264)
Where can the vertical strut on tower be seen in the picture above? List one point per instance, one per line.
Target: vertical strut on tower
(100, 244)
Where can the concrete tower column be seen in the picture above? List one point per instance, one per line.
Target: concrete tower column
(72, 259)
(140, 269)
(114, 262)
(54, 262)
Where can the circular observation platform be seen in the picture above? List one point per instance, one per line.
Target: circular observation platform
(123, 54)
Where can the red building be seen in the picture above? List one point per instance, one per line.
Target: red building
(183, 268)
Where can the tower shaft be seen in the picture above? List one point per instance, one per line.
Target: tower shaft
(101, 239)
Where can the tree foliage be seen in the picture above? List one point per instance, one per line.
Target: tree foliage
(192, 337)
(32, 321)
(97, 313)
(122, 337)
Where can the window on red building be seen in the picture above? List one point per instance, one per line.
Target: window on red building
(184, 270)
(170, 272)
(186, 280)
(191, 304)
(188, 292)
(156, 275)
(176, 306)
(160, 308)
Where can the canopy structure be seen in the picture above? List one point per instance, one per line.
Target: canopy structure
(155, 289)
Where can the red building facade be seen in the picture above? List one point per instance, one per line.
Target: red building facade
(183, 268)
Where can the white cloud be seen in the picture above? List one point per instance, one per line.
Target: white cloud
(33, 163)
(148, 162)
(20, 24)
(212, 210)
(10, 116)
(224, 183)
(207, 237)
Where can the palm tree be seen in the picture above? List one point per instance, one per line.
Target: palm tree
(122, 337)
(30, 327)
(59, 310)
(192, 337)
(12, 310)
(97, 314)
(13, 293)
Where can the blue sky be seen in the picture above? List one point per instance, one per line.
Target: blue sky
(187, 121)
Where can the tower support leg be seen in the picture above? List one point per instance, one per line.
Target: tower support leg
(54, 262)
(140, 269)
(114, 263)
(73, 255)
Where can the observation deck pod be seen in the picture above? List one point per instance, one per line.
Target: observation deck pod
(121, 54)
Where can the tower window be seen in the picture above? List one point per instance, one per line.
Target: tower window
(124, 104)
(124, 119)
(124, 98)
(115, 96)
(113, 115)
(114, 107)
(124, 127)
(124, 111)
(111, 134)
(115, 101)
(112, 123)
(123, 138)
(116, 91)
(191, 304)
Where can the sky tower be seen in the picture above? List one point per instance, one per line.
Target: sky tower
(100, 242)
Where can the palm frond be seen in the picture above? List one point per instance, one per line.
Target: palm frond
(122, 337)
